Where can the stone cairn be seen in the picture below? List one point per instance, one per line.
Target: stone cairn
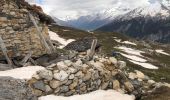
(79, 76)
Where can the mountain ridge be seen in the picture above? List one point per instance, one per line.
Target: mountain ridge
(139, 23)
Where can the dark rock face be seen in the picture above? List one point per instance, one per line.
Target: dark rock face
(154, 29)
(81, 45)
(15, 89)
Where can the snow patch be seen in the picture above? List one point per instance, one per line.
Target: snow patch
(22, 73)
(130, 51)
(66, 30)
(118, 40)
(96, 95)
(162, 52)
(124, 42)
(54, 36)
(128, 42)
(134, 58)
(145, 65)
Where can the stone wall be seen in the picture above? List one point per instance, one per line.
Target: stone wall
(68, 77)
(80, 76)
(17, 30)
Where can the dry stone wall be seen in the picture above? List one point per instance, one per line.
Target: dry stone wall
(80, 76)
(18, 32)
(70, 78)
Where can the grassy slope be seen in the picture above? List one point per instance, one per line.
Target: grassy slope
(108, 44)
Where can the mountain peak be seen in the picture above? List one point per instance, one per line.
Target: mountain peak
(156, 9)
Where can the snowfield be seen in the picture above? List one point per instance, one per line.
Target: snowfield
(96, 95)
(22, 73)
(136, 57)
(130, 51)
(145, 65)
(54, 36)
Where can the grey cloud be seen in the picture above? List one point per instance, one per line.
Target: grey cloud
(74, 8)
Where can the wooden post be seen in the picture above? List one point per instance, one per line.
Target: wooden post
(92, 49)
(28, 56)
(33, 61)
(43, 41)
(4, 50)
(51, 44)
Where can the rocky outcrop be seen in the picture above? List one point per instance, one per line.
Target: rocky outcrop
(15, 89)
(17, 30)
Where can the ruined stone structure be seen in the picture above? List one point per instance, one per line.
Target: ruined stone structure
(17, 30)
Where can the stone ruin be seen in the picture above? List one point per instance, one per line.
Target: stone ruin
(17, 30)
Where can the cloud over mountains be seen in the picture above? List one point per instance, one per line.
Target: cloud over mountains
(74, 8)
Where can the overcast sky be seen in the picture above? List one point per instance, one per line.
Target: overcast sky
(74, 8)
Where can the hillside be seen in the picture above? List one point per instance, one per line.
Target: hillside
(41, 60)
(138, 54)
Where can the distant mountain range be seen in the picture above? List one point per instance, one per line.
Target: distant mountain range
(151, 22)
(96, 20)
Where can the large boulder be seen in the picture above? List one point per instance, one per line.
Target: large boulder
(81, 45)
(15, 89)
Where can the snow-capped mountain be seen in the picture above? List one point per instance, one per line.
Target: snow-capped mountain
(151, 22)
(96, 20)
(61, 22)
(166, 3)
(153, 10)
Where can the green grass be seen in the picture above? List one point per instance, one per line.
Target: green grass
(108, 43)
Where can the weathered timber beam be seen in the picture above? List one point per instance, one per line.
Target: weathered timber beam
(4, 50)
(43, 41)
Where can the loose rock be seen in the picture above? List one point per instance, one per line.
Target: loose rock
(121, 64)
(61, 76)
(45, 74)
(39, 85)
(140, 75)
(129, 87)
(54, 84)
(116, 85)
(113, 60)
(61, 66)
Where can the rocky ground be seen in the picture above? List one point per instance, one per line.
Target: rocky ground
(15, 89)
(79, 76)
(70, 71)
(131, 49)
(76, 74)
